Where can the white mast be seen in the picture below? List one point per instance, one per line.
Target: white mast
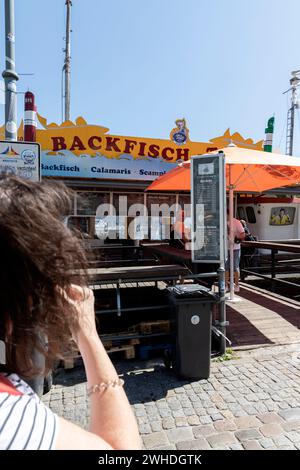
(294, 81)
(67, 63)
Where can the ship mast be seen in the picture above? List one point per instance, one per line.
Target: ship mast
(294, 82)
(67, 63)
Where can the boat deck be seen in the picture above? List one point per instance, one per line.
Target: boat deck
(262, 318)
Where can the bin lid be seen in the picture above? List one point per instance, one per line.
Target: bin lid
(191, 290)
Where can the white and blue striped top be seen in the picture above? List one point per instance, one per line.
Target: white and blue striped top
(25, 422)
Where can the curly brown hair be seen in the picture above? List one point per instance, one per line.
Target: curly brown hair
(39, 256)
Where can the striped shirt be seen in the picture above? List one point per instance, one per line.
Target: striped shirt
(25, 422)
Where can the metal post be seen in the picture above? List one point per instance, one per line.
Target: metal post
(9, 74)
(273, 268)
(294, 81)
(67, 63)
(222, 308)
(231, 238)
(223, 255)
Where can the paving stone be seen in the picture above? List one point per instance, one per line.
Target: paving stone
(246, 422)
(216, 416)
(252, 445)
(165, 412)
(291, 447)
(291, 425)
(168, 423)
(188, 411)
(180, 434)
(200, 412)
(239, 413)
(144, 428)
(167, 447)
(267, 418)
(266, 443)
(181, 422)
(225, 425)
(236, 447)
(247, 434)
(193, 420)
(291, 414)
(294, 436)
(155, 439)
(194, 444)
(203, 431)
(156, 426)
(221, 439)
(227, 414)
(205, 419)
(271, 430)
(281, 441)
(178, 414)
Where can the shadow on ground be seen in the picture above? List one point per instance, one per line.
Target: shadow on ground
(144, 380)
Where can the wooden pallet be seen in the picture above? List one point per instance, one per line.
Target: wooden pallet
(109, 343)
(150, 327)
(69, 361)
(127, 350)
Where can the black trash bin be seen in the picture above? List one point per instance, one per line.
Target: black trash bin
(191, 307)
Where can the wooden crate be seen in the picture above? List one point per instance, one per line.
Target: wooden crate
(69, 360)
(127, 350)
(150, 327)
(109, 343)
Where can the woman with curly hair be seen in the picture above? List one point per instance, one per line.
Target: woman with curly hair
(44, 295)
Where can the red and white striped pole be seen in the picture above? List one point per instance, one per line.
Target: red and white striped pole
(30, 123)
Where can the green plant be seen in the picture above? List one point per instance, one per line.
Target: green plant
(227, 356)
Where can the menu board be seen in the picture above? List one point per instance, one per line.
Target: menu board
(208, 208)
(20, 159)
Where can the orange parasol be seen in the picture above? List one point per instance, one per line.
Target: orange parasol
(247, 170)
(250, 171)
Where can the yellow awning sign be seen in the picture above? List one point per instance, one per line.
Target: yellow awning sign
(79, 149)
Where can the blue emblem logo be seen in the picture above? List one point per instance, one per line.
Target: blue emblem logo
(28, 156)
(180, 134)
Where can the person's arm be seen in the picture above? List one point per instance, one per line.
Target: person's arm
(240, 232)
(112, 423)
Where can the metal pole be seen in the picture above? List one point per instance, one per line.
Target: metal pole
(9, 74)
(292, 125)
(67, 64)
(294, 81)
(231, 240)
(221, 270)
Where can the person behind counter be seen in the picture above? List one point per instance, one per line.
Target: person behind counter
(180, 233)
(41, 297)
(249, 255)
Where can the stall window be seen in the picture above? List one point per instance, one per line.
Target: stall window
(85, 225)
(250, 215)
(162, 200)
(184, 199)
(88, 201)
(132, 198)
(282, 216)
(241, 213)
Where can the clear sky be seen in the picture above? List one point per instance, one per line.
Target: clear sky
(137, 65)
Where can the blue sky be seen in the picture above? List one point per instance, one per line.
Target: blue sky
(138, 65)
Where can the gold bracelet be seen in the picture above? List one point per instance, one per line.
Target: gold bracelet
(101, 387)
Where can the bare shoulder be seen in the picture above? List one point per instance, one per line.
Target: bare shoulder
(72, 437)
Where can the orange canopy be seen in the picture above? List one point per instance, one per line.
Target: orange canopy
(250, 171)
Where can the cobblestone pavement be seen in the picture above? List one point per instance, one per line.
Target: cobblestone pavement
(251, 402)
